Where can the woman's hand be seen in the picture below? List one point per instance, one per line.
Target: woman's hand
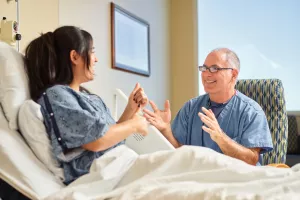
(137, 99)
(140, 124)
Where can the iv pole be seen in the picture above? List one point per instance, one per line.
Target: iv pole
(18, 21)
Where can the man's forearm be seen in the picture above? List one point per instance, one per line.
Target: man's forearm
(233, 149)
(170, 137)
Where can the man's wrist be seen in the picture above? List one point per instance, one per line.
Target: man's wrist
(221, 137)
(166, 131)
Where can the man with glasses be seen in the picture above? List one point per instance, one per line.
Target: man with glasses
(223, 119)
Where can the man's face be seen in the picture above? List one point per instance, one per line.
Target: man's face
(220, 81)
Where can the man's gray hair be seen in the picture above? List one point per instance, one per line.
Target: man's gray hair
(231, 57)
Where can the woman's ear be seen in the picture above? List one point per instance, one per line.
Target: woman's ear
(74, 57)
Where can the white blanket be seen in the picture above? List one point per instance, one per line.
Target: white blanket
(187, 173)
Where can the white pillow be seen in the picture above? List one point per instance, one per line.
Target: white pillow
(13, 83)
(20, 168)
(31, 124)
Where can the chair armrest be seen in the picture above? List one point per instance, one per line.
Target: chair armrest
(278, 165)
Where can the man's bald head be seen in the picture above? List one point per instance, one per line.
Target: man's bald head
(229, 56)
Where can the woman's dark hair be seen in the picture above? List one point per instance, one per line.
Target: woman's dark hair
(47, 58)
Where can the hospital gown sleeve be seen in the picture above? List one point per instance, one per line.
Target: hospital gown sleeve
(76, 123)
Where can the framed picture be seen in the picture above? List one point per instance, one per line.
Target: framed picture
(130, 42)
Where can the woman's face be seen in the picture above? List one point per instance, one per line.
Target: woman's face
(81, 72)
(90, 71)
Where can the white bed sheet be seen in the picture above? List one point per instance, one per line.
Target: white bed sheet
(187, 173)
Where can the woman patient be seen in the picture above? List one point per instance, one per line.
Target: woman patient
(79, 124)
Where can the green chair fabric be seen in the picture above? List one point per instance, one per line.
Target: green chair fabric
(269, 94)
(293, 146)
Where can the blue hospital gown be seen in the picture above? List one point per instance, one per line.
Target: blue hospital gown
(242, 119)
(80, 118)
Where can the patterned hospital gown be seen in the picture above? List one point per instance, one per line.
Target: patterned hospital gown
(73, 119)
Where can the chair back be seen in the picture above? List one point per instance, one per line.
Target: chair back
(269, 94)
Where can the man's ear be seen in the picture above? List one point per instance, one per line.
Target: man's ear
(235, 74)
(74, 57)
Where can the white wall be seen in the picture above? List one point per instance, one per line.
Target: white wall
(94, 16)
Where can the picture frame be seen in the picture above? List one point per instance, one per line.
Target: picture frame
(130, 38)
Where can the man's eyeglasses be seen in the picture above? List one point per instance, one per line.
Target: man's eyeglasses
(212, 69)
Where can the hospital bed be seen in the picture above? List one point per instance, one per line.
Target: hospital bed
(19, 166)
(21, 169)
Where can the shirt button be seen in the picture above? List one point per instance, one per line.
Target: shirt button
(51, 114)
(59, 139)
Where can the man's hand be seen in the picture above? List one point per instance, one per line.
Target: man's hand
(159, 118)
(227, 145)
(212, 126)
